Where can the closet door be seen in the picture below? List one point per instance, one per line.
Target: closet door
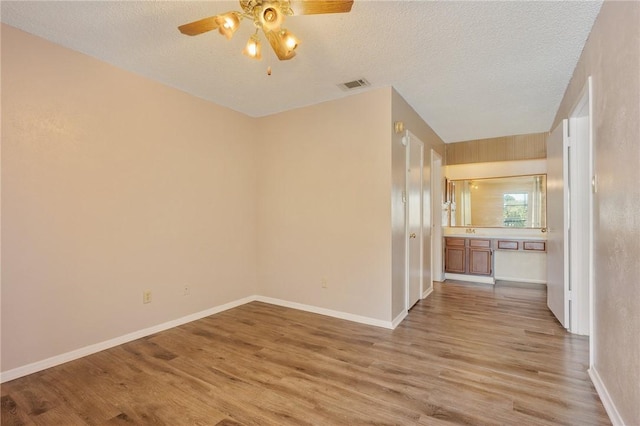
(557, 223)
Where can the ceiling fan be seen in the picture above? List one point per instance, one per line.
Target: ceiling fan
(268, 16)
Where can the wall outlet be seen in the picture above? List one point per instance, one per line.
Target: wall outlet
(186, 290)
(323, 282)
(146, 296)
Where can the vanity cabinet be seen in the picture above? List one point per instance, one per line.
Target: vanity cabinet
(479, 257)
(471, 256)
(455, 259)
(484, 259)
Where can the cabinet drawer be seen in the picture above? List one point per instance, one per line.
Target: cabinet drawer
(474, 242)
(534, 245)
(507, 245)
(455, 242)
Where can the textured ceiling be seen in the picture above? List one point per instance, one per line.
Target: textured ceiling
(471, 70)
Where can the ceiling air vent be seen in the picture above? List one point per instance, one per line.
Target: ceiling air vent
(350, 85)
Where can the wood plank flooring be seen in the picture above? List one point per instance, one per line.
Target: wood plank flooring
(468, 354)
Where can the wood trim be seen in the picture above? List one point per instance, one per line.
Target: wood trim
(507, 148)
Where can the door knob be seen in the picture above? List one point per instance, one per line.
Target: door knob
(413, 235)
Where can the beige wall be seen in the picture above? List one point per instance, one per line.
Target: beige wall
(324, 211)
(303, 239)
(611, 57)
(402, 111)
(113, 184)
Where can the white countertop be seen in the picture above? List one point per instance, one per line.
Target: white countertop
(512, 233)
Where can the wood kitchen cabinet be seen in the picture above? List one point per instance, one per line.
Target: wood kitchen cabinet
(468, 256)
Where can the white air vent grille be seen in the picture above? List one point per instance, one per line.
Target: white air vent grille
(355, 84)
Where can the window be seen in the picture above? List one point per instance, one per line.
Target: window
(516, 210)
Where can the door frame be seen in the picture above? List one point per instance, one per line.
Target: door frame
(407, 140)
(437, 186)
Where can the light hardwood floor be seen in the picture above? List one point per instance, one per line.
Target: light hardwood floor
(468, 354)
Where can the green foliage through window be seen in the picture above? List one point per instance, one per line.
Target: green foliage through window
(516, 209)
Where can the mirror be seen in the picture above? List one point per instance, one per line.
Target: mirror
(505, 202)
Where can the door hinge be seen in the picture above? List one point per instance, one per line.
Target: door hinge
(569, 295)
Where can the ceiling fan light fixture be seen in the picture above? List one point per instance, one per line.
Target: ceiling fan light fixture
(283, 42)
(269, 16)
(290, 40)
(228, 24)
(253, 49)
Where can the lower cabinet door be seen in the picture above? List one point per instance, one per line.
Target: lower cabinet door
(480, 261)
(454, 260)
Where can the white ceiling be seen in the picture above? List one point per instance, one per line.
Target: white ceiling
(471, 70)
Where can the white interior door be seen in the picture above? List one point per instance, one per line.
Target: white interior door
(436, 217)
(557, 223)
(414, 210)
(580, 212)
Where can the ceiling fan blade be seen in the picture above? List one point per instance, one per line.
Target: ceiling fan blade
(199, 27)
(314, 7)
(277, 40)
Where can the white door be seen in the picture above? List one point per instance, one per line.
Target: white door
(557, 223)
(436, 217)
(580, 212)
(414, 234)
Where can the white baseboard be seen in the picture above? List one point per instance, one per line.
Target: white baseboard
(603, 393)
(91, 349)
(402, 315)
(398, 319)
(328, 312)
(427, 292)
(470, 278)
(521, 280)
(25, 370)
